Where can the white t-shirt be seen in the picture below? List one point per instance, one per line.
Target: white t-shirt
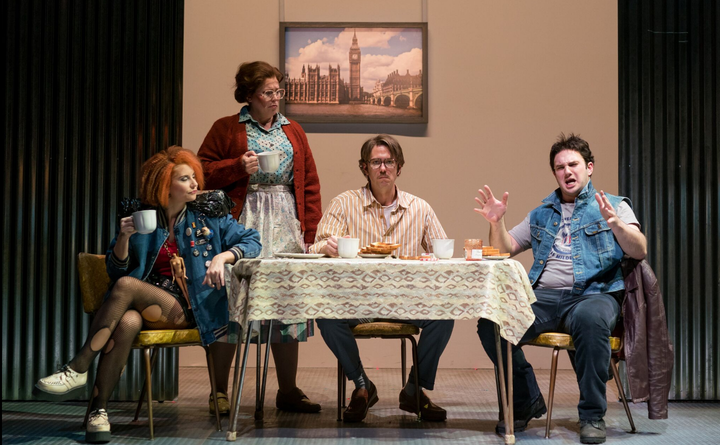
(558, 271)
(387, 210)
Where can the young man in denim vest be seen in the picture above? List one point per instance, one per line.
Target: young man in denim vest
(578, 237)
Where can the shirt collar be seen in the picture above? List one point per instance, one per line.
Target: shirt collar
(162, 217)
(368, 199)
(246, 117)
(556, 196)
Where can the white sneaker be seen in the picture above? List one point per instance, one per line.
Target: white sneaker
(98, 427)
(59, 386)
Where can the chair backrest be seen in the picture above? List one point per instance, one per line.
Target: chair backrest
(94, 280)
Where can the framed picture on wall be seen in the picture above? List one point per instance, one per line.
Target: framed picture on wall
(354, 72)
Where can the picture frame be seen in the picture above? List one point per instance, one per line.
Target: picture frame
(354, 72)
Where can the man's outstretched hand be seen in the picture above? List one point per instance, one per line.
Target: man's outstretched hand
(491, 208)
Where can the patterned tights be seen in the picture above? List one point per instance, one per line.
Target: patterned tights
(132, 305)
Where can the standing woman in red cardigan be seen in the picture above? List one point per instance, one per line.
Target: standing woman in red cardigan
(284, 206)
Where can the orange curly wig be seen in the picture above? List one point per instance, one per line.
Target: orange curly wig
(157, 174)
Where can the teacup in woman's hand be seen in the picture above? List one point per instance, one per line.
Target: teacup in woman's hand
(145, 221)
(269, 161)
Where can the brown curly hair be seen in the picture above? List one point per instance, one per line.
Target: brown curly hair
(157, 174)
(571, 142)
(252, 75)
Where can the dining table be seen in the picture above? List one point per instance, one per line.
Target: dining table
(305, 287)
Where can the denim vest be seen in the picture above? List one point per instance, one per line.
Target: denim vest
(596, 254)
(209, 305)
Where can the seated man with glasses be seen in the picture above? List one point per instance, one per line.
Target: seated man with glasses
(379, 211)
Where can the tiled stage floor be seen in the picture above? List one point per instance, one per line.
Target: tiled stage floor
(468, 395)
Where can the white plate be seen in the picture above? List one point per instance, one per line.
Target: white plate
(300, 256)
(492, 257)
(373, 255)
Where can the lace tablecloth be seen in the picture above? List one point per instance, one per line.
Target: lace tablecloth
(293, 289)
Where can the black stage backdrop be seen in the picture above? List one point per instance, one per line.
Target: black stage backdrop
(92, 89)
(669, 167)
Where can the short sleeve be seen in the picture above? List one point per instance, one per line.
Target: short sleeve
(626, 214)
(521, 233)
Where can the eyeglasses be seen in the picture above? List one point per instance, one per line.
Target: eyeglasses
(389, 163)
(270, 94)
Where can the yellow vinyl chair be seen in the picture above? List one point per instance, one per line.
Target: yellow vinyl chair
(559, 341)
(94, 283)
(385, 330)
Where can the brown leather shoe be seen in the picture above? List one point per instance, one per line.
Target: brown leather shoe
(296, 401)
(428, 410)
(360, 402)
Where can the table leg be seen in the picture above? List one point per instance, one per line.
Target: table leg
(238, 379)
(260, 403)
(258, 368)
(507, 410)
(510, 428)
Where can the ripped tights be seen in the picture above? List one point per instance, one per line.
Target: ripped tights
(132, 305)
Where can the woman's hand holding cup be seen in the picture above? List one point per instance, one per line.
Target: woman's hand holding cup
(250, 162)
(127, 226)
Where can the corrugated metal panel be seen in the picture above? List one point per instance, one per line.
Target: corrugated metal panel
(92, 89)
(669, 166)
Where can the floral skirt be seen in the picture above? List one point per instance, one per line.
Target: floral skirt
(270, 209)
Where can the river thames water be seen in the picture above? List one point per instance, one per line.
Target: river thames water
(348, 110)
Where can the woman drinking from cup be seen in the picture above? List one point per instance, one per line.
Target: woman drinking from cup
(160, 280)
(281, 201)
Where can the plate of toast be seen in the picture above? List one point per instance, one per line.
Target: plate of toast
(378, 250)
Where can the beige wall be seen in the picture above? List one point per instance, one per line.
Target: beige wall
(504, 79)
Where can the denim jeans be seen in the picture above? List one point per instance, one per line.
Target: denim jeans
(433, 339)
(589, 319)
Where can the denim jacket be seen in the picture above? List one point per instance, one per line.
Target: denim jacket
(210, 306)
(596, 253)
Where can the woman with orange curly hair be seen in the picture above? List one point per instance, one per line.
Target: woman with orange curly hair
(145, 291)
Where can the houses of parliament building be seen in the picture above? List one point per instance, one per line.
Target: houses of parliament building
(314, 88)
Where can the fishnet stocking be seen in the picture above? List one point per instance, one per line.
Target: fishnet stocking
(132, 304)
(114, 356)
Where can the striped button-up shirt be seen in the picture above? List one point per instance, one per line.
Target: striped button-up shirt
(357, 213)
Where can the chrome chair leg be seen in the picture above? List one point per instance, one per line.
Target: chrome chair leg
(551, 395)
(144, 388)
(621, 391)
(148, 386)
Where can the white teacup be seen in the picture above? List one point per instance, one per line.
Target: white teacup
(269, 161)
(145, 221)
(443, 248)
(348, 247)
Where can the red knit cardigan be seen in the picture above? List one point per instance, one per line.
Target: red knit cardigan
(221, 155)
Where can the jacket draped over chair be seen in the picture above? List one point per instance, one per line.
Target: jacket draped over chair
(647, 348)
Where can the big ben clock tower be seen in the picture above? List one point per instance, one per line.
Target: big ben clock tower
(355, 91)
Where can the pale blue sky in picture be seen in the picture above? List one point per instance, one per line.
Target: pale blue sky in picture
(383, 50)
